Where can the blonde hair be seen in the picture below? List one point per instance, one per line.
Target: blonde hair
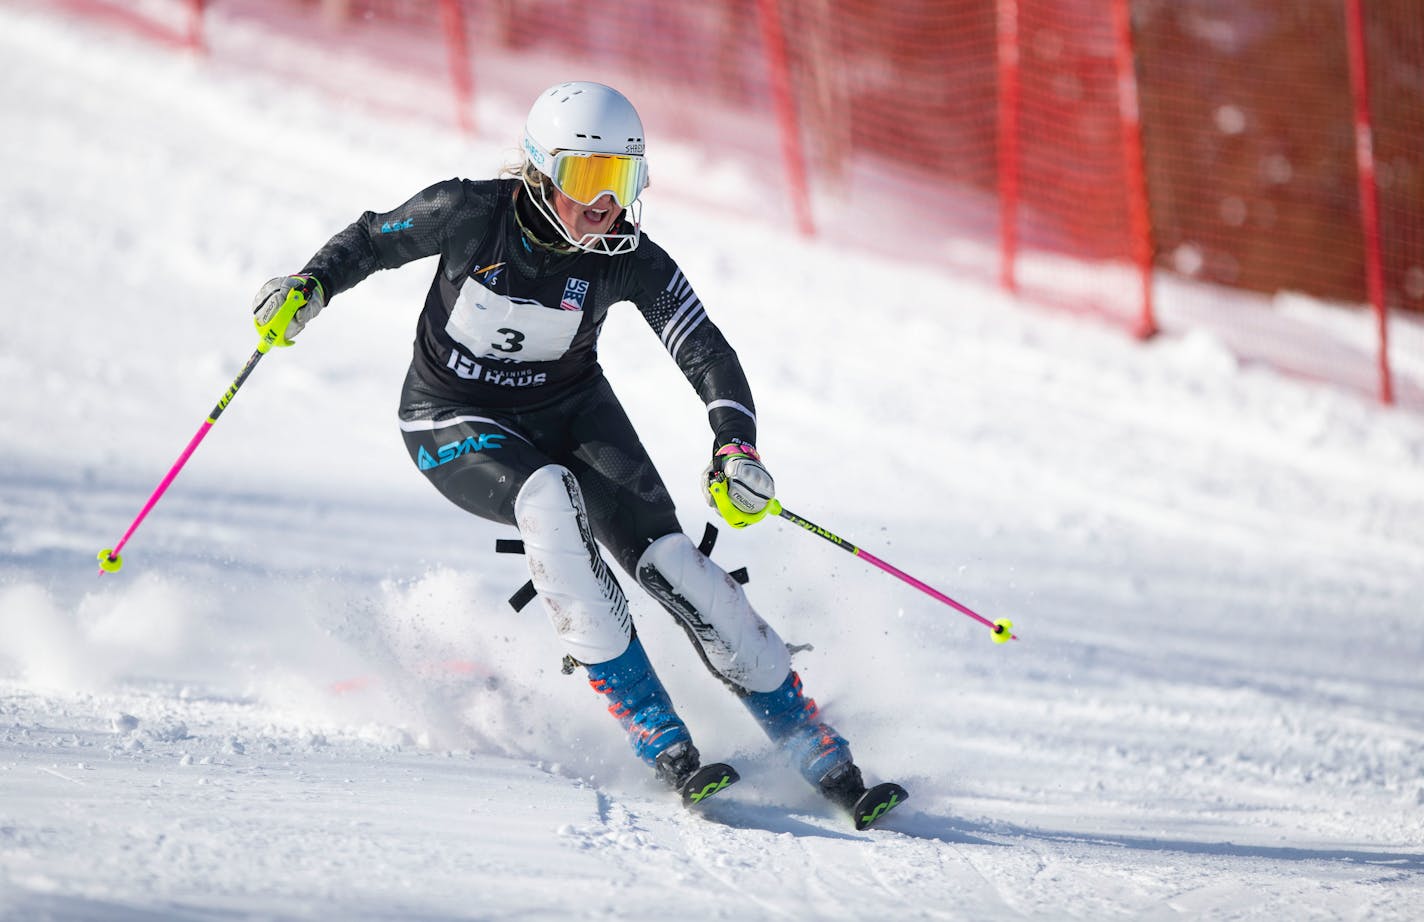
(523, 169)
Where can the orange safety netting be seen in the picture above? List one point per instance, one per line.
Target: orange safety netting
(991, 136)
(1251, 146)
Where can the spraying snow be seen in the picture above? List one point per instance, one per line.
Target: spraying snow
(306, 697)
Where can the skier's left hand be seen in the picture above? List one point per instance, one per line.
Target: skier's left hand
(738, 485)
(267, 307)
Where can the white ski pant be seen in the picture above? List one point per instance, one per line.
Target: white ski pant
(590, 613)
(734, 641)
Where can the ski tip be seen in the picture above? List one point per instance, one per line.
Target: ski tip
(872, 806)
(708, 781)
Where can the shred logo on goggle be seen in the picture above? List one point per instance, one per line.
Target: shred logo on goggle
(448, 453)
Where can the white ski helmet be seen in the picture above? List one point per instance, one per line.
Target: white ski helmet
(587, 139)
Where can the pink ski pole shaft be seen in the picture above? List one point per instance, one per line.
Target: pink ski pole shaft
(1001, 628)
(109, 559)
(272, 331)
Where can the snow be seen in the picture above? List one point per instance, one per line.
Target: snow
(306, 698)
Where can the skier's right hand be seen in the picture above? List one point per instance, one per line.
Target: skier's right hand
(738, 485)
(267, 306)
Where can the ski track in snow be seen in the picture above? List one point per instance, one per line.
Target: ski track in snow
(305, 696)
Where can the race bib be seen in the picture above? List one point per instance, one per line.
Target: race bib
(492, 326)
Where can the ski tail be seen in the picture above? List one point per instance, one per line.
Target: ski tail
(707, 781)
(872, 806)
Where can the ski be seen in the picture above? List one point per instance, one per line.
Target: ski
(871, 806)
(707, 781)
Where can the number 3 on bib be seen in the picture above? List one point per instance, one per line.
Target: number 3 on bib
(493, 326)
(513, 344)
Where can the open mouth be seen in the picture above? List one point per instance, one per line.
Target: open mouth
(596, 216)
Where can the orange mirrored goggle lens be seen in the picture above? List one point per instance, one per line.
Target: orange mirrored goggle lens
(586, 177)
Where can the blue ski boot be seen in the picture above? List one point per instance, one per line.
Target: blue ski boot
(820, 753)
(656, 733)
(793, 721)
(639, 702)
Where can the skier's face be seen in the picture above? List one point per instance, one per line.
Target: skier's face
(581, 220)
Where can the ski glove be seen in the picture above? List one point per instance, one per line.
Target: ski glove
(738, 485)
(267, 313)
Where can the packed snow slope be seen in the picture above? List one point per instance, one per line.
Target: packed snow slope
(306, 698)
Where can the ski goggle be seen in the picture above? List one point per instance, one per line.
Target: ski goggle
(584, 177)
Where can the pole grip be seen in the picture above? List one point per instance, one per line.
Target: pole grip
(273, 331)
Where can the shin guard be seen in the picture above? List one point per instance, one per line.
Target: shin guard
(583, 600)
(733, 640)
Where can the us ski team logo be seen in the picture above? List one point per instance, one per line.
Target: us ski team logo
(574, 293)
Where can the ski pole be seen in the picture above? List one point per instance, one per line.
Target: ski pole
(272, 332)
(1003, 628)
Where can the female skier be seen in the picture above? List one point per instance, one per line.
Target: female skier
(506, 410)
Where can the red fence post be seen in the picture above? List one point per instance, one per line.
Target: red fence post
(452, 16)
(774, 44)
(194, 38)
(1139, 215)
(1369, 191)
(1008, 154)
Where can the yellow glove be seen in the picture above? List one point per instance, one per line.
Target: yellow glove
(284, 305)
(738, 485)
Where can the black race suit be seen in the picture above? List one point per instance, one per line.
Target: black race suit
(505, 377)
